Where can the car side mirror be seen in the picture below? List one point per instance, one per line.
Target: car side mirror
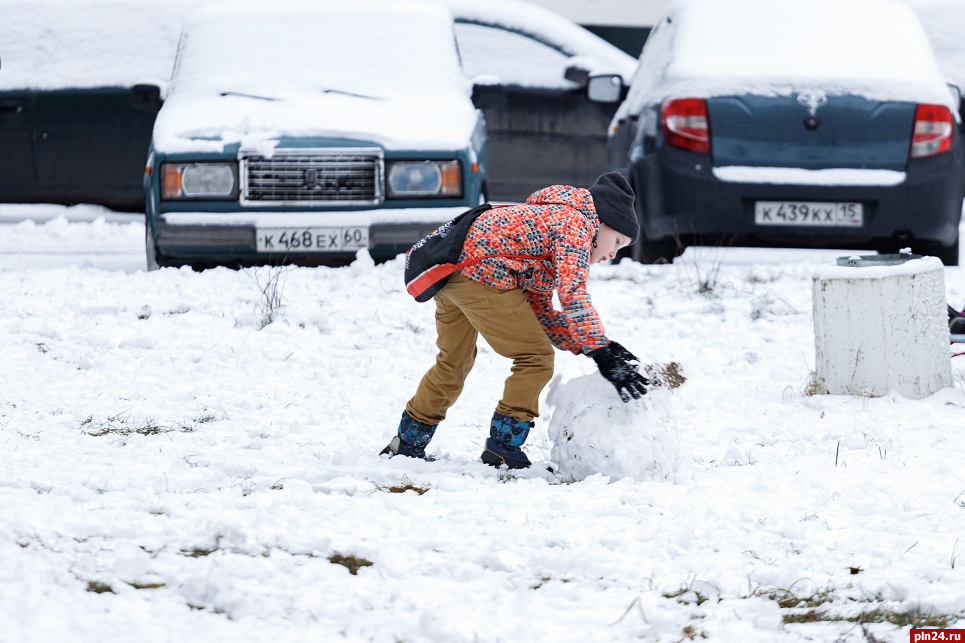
(488, 96)
(576, 74)
(607, 88)
(146, 98)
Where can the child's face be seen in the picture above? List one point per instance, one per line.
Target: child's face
(608, 242)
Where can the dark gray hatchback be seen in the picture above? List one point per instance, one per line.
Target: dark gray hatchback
(80, 87)
(823, 125)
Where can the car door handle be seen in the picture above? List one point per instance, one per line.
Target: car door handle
(11, 106)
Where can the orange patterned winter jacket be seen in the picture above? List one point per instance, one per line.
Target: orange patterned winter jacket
(542, 246)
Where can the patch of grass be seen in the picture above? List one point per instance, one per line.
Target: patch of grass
(542, 580)
(202, 608)
(545, 579)
(200, 552)
(505, 474)
(691, 634)
(99, 588)
(350, 562)
(812, 386)
(147, 585)
(123, 425)
(811, 616)
(271, 283)
(815, 608)
(786, 599)
(704, 266)
(909, 618)
(683, 595)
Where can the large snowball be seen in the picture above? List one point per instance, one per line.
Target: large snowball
(593, 431)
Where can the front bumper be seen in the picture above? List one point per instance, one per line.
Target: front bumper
(683, 198)
(229, 238)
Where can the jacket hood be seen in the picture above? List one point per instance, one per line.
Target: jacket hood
(573, 197)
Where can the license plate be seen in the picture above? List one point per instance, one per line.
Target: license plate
(809, 213)
(275, 240)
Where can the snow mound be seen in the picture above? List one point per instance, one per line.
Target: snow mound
(594, 432)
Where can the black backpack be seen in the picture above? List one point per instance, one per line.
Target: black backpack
(432, 260)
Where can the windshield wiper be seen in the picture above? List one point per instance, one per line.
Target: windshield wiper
(324, 91)
(346, 93)
(244, 95)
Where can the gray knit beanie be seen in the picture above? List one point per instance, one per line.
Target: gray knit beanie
(613, 200)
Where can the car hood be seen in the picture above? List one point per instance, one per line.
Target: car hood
(207, 123)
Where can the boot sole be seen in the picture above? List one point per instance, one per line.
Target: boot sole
(493, 460)
(392, 449)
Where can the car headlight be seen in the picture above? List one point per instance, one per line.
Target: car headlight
(198, 180)
(424, 178)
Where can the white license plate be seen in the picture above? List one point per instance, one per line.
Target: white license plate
(275, 240)
(809, 213)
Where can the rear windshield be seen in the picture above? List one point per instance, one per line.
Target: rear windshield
(790, 38)
(876, 49)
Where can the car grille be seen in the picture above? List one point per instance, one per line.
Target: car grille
(311, 177)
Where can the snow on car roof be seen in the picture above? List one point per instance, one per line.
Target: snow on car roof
(82, 44)
(873, 48)
(372, 48)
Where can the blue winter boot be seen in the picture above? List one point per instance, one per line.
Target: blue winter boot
(411, 440)
(506, 436)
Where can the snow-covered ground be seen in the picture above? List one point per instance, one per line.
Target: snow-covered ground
(179, 462)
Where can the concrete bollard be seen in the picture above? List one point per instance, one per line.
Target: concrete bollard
(880, 323)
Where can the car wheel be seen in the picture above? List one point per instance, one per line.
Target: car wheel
(656, 250)
(150, 249)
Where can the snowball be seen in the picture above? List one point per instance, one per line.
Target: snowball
(594, 432)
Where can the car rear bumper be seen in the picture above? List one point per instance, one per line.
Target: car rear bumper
(682, 197)
(230, 237)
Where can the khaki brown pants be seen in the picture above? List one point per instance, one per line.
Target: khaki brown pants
(466, 309)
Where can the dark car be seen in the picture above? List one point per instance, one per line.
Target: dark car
(816, 124)
(544, 130)
(80, 87)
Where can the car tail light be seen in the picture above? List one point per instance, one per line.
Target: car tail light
(934, 127)
(685, 124)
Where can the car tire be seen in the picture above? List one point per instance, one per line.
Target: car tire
(150, 249)
(656, 250)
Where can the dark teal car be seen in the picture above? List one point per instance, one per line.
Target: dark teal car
(301, 134)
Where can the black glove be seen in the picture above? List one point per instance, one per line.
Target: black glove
(623, 375)
(625, 355)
